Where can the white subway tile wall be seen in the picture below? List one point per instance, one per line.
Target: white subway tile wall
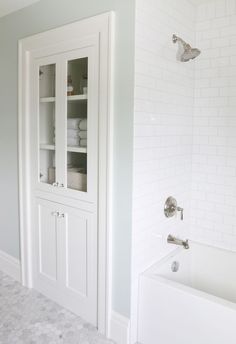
(185, 129)
(164, 102)
(213, 213)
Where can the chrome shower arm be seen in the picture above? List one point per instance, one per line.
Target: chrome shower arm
(178, 39)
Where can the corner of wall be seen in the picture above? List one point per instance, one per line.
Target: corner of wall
(119, 329)
(10, 266)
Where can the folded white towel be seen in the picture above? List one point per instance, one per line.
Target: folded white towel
(83, 143)
(83, 134)
(73, 141)
(73, 133)
(83, 124)
(73, 123)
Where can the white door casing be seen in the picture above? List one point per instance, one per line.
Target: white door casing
(65, 38)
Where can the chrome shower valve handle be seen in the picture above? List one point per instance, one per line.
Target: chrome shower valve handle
(181, 213)
(171, 208)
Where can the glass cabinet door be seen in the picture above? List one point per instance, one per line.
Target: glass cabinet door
(76, 123)
(46, 121)
(67, 124)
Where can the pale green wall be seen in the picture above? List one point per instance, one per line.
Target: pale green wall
(39, 17)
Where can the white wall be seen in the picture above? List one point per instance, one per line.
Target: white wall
(164, 100)
(42, 16)
(214, 149)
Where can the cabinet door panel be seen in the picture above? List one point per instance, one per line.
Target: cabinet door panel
(47, 243)
(78, 242)
(76, 254)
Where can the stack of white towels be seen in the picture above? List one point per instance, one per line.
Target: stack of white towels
(77, 132)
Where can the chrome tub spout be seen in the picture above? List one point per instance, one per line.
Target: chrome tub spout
(172, 240)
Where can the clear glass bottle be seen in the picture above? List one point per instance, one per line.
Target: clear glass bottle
(70, 88)
(84, 84)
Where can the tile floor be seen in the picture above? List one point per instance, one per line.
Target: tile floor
(27, 317)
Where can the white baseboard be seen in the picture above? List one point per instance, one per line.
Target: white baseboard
(119, 328)
(10, 266)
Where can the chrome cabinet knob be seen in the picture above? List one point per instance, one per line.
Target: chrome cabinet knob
(60, 215)
(59, 185)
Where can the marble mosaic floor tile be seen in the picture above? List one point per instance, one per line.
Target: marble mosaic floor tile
(27, 317)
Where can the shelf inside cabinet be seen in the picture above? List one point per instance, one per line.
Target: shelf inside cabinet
(77, 97)
(46, 146)
(77, 149)
(47, 100)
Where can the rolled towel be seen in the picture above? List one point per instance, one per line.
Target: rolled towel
(73, 141)
(73, 123)
(83, 134)
(83, 143)
(83, 124)
(73, 133)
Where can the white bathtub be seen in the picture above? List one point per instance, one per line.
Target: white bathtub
(195, 305)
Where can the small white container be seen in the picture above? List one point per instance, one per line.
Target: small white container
(76, 179)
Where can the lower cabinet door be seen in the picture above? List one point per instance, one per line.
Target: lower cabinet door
(46, 244)
(67, 257)
(78, 244)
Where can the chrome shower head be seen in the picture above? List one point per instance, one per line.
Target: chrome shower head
(185, 52)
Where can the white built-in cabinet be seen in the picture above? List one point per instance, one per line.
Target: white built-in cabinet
(64, 102)
(65, 165)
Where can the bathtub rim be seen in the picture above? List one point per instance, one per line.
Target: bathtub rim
(151, 273)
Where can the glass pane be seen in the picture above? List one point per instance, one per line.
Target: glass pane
(77, 171)
(47, 81)
(47, 123)
(77, 94)
(47, 166)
